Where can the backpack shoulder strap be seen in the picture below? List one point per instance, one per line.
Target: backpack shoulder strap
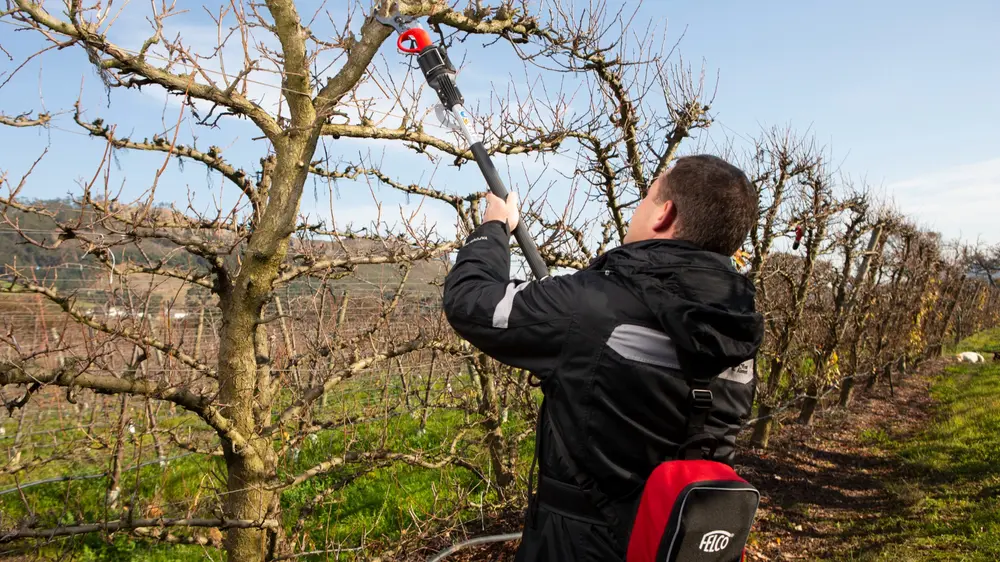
(698, 443)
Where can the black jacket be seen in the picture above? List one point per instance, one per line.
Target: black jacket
(612, 346)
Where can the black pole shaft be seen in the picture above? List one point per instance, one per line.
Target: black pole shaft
(535, 261)
(440, 75)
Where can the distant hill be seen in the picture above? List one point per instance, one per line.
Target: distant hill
(70, 269)
(14, 250)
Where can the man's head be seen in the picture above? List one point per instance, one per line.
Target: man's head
(703, 200)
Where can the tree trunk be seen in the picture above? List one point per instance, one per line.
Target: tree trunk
(874, 378)
(246, 395)
(792, 324)
(762, 429)
(426, 402)
(958, 328)
(846, 392)
(246, 388)
(245, 404)
(489, 407)
(247, 498)
(809, 405)
(287, 338)
(114, 499)
(892, 387)
(871, 380)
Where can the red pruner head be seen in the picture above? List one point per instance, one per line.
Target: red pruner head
(409, 30)
(420, 38)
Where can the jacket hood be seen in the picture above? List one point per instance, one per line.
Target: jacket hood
(701, 302)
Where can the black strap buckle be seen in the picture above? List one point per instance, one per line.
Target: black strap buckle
(601, 501)
(701, 398)
(700, 446)
(700, 404)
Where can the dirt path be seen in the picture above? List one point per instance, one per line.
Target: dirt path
(817, 482)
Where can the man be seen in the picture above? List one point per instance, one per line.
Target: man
(614, 347)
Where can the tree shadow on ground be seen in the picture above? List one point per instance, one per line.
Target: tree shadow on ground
(888, 479)
(825, 486)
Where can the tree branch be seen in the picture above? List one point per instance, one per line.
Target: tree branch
(295, 75)
(127, 63)
(199, 278)
(66, 303)
(541, 143)
(310, 395)
(351, 261)
(408, 458)
(373, 34)
(212, 159)
(13, 373)
(25, 121)
(14, 534)
(516, 30)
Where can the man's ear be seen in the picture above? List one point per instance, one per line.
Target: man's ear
(664, 217)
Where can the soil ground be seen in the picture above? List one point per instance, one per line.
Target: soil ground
(821, 483)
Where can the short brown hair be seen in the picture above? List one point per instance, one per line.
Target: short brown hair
(716, 204)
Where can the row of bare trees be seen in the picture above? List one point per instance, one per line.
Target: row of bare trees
(268, 363)
(866, 294)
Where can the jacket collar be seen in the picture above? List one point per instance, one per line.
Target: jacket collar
(658, 252)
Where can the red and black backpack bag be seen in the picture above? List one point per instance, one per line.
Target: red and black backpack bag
(691, 508)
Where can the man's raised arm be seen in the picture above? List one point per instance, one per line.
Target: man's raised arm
(521, 324)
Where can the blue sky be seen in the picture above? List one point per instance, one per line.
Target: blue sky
(903, 94)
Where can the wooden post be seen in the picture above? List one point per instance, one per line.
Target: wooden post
(341, 319)
(287, 337)
(198, 332)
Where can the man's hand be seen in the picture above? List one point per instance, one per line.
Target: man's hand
(499, 210)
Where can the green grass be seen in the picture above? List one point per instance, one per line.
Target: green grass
(983, 342)
(951, 471)
(379, 505)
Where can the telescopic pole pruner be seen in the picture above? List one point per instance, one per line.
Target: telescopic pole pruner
(440, 75)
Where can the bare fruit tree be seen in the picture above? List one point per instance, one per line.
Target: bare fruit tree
(239, 367)
(269, 352)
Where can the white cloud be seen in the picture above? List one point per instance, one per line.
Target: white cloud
(959, 201)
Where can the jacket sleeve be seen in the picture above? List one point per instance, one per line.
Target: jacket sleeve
(521, 324)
